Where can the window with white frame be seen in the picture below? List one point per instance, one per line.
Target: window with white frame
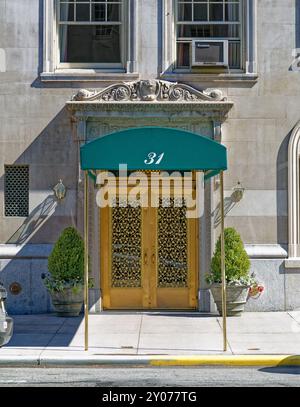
(90, 33)
(209, 24)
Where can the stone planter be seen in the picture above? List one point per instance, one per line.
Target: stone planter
(67, 303)
(236, 298)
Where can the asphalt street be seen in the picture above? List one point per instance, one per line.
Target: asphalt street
(131, 377)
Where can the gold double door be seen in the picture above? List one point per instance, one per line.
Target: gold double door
(148, 255)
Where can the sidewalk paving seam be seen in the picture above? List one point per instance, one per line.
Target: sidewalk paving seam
(53, 336)
(139, 337)
(294, 319)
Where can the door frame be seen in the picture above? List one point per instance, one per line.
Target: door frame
(153, 294)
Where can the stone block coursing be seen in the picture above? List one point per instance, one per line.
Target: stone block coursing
(271, 273)
(29, 273)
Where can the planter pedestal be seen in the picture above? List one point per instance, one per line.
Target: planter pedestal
(236, 298)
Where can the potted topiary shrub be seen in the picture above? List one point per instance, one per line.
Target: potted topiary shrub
(238, 279)
(66, 267)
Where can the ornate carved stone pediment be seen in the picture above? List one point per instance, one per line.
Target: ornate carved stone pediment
(149, 91)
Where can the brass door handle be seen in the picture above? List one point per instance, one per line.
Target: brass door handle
(145, 258)
(153, 258)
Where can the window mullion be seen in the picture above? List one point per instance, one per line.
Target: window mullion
(193, 5)
(208, 10)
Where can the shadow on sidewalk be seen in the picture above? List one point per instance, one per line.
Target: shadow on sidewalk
(43, 330)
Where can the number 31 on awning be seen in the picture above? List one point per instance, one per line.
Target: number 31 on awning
(153, 158)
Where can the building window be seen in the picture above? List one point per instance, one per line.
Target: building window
(16, 190)
(294, 199)
(209, 20)
(90, 33)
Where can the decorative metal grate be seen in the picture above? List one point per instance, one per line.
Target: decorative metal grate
(16, 190)
(126, 245)
(172, 243)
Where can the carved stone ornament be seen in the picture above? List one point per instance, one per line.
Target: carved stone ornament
(149, 91)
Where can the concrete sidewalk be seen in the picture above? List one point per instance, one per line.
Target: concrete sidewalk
(136, 337)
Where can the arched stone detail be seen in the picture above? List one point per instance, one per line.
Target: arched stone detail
(294, 193)
(151, 90)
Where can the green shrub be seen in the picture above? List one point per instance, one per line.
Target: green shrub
(237, 263)
(66, 262)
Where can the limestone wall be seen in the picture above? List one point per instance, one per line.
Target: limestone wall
(35, 127)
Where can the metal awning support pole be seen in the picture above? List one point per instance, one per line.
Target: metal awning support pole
(86, 261)
(223, 274)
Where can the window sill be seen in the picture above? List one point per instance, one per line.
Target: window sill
(215, 78)
(87, 75)
(266, 251)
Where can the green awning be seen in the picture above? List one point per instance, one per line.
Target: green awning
(154, 148)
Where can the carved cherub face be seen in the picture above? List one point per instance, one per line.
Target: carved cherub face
(150, 84)
(148, 89)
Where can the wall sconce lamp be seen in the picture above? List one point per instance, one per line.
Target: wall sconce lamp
(238, 192)
(60, 190)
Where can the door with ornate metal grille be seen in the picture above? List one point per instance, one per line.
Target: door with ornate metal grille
(149, 255)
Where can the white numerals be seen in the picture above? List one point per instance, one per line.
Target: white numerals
(153, 158)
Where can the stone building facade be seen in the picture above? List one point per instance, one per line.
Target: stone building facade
(53, 99)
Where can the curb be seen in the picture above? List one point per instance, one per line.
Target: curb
(228, 360)
(154, 360)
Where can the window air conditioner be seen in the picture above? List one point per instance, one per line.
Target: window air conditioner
(210, 53)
